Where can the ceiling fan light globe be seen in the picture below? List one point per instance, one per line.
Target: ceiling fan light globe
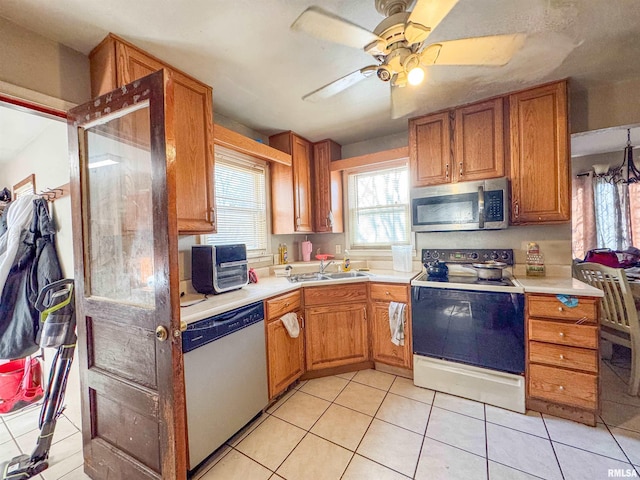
(415, 76)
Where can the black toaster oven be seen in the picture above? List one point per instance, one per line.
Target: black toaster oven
(219, 268)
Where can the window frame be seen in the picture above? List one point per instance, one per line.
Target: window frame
(246, 160)
(374, 251)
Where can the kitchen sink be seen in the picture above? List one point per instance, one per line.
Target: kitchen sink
(307, 277)
(340, 275)
(316, 276)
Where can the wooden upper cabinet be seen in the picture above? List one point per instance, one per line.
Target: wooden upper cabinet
(539, 155)
(430, 149)
(458, 145)
(479, 141)
(291, 186)
(327, 188)
(114, 63)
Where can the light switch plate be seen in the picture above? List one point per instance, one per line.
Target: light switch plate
(338, 249)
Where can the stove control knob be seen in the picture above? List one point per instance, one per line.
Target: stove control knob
(504, 256)
(435, 255)
(474, 256)
(494, 256)
(427, 254)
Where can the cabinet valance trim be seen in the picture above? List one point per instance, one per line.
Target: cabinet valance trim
(238, 142)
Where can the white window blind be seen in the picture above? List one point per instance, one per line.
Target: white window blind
(379, 208)
(241, 202)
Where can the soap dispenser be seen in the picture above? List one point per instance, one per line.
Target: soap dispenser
(346, 263)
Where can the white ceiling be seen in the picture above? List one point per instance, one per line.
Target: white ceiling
(259, 69)
(603, 141)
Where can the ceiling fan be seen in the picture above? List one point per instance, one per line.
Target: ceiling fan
(400, 47)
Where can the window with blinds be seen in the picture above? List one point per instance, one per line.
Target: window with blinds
(379, 208)
(241, 202)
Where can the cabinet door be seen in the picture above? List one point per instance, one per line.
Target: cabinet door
(479, 141)
(301, 156)
(539, 155)
(327, 187)
(336, 335)
(430, 149)
(285, 356)
(193, 127)
(384, 350)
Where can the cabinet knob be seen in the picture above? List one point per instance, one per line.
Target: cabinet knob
(297, 221)
(387, 293)
(561, 357)
(562, 334)
(561, 388)
(560, 309)
(286, 304)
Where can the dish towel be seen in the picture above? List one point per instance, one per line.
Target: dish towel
(396, 322)
(290, 322)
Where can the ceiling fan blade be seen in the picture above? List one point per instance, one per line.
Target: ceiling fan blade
(341, 84)
(319, 23)
(494, 50)
(403, 101)
(426, 13)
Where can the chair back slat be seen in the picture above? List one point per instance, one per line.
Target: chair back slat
(618, 310)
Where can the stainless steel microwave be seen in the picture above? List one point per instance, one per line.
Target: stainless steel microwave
(481, 205)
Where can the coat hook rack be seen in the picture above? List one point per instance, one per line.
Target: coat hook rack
(53, 194)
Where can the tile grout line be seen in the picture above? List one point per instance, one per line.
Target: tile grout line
(553, 449)
(486, 441)
(621, 449)
(424, 436)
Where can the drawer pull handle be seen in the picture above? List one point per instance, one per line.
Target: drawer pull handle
(561, 388)
(560, 309)
(387, 293)
(562, 334)
(561, 357)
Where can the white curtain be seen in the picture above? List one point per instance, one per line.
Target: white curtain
(612, 214)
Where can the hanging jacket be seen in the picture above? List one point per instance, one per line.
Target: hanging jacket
(36, 265)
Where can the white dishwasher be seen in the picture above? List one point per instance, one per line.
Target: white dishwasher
(225, 371)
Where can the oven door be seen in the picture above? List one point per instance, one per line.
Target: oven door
(480, 328)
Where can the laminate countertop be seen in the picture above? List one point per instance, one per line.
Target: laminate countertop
(195, 307)
(557, 285)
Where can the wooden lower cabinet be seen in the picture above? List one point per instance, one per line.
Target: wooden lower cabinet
(383, 350)
(285, 355)
(336, 334)
(562, 357)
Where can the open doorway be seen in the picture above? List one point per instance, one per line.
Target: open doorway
(34, 145)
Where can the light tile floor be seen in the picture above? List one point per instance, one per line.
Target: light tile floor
(375, 426)
(372, 425)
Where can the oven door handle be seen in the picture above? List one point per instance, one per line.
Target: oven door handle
(480, 207)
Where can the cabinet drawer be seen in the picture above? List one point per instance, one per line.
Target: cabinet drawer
(549, 306)
(563, 386)
(276, 307)
(563, 333)
(353, 292)
(563, 356)
(389, 292)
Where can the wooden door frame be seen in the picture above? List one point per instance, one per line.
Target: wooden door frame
(171, 409)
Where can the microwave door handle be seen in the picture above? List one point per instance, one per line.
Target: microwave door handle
(480, 207)
(233, 264)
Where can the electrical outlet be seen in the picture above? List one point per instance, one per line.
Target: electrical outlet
(338, 249)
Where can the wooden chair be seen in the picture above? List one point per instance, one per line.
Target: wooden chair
(618, 313)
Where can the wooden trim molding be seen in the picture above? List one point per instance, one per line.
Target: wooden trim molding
(370, 159)
(238, 142)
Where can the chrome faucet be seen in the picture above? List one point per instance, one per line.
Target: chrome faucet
(323, 266)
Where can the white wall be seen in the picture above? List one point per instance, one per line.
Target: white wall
(31, 61)
(47, 156)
